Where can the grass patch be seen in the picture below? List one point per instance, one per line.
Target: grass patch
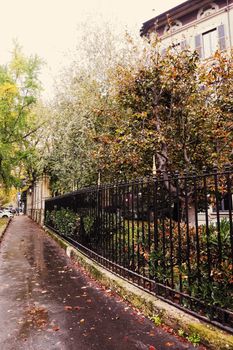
(3, 222)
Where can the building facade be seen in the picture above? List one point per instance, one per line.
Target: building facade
(205, 26)
(35, 199)
(201, 25)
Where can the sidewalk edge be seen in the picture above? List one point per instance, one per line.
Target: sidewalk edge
(211, 336)
(2, 233)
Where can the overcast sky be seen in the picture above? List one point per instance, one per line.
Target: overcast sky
(49, 27)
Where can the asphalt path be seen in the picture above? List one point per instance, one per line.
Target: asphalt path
(48, 302)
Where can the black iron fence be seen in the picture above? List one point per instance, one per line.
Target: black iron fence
(171, 235)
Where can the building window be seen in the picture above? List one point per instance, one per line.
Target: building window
(207, 43)
(224, 203)
(175, 47)
(210, 43)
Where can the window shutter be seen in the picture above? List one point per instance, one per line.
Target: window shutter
(183, 45)
(221, 37)
(163, 52)
(198, 45)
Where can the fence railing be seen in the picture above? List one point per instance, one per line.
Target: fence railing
(171, 235)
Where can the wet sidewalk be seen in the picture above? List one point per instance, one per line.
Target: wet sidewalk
(48, 303)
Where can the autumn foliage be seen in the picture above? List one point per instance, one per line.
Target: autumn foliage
(113, 118)
(174, 107)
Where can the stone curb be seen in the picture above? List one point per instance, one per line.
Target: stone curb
(3, 231)
(211, 336)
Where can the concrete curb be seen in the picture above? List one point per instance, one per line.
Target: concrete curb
(3, 231)
(211, 336)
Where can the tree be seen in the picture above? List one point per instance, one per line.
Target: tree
(175, 108)
(82, 110)
(114, 115)
(19, 89)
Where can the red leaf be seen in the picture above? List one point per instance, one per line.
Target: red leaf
(169, 344)
(68, 308)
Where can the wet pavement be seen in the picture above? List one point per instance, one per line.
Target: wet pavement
(47, 302)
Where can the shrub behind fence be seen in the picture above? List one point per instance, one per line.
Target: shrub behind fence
(171, 235)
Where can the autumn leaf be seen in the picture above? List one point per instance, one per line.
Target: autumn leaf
(68, 308)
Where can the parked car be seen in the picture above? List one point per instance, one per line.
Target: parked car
(10, 209)
(5, 214)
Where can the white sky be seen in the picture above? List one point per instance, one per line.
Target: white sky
(49, 27)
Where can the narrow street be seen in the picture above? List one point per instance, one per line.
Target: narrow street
(46, 302)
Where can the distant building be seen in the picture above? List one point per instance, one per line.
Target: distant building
(35, 199)
(201, 25)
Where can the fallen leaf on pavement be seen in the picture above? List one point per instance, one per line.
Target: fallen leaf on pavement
(169, 343)
(68, 308)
